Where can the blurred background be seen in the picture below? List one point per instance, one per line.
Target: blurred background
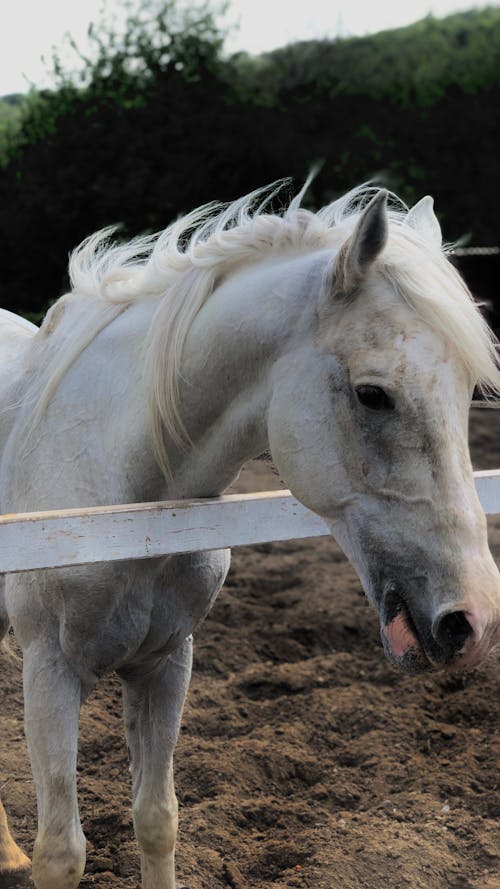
(146, 109)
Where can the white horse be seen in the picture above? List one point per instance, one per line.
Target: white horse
(346, 343)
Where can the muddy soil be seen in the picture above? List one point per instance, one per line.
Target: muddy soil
(305, 760)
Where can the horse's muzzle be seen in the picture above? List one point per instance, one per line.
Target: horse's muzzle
(415, 641)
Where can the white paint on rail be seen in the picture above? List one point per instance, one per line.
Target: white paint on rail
(147, 530)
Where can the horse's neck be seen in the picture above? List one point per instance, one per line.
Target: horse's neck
(225, 387)
(241, 332)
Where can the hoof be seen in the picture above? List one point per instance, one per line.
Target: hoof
(14, 862)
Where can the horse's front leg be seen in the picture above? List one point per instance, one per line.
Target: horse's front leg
(12, 858)
(153, 705)
(52, 695)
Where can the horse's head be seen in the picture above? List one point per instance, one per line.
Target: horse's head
(368, 424)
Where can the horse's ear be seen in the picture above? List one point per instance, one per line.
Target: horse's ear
(365, 244)
(422, 218)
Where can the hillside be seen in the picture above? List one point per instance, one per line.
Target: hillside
(160, 120)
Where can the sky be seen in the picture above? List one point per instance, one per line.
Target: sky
(30, 28)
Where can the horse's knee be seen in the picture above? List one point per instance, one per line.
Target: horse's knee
(58, 861)
(156, 827)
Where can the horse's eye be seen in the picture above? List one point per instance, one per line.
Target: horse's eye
(374, 398)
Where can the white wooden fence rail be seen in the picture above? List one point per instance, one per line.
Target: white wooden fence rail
(145, 530)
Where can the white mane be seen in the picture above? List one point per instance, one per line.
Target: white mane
(183, 265)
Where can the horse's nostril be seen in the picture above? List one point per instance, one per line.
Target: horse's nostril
(452, 631)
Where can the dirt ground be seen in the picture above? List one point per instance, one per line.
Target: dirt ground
(305, 760)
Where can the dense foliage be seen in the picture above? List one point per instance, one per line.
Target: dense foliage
(157, 120)
(10, 125)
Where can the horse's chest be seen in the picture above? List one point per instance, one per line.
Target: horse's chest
(142, 616)
(183, 594)
(111, 616)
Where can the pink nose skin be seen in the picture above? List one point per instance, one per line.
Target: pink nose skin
(399, 637)
(463, 638)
